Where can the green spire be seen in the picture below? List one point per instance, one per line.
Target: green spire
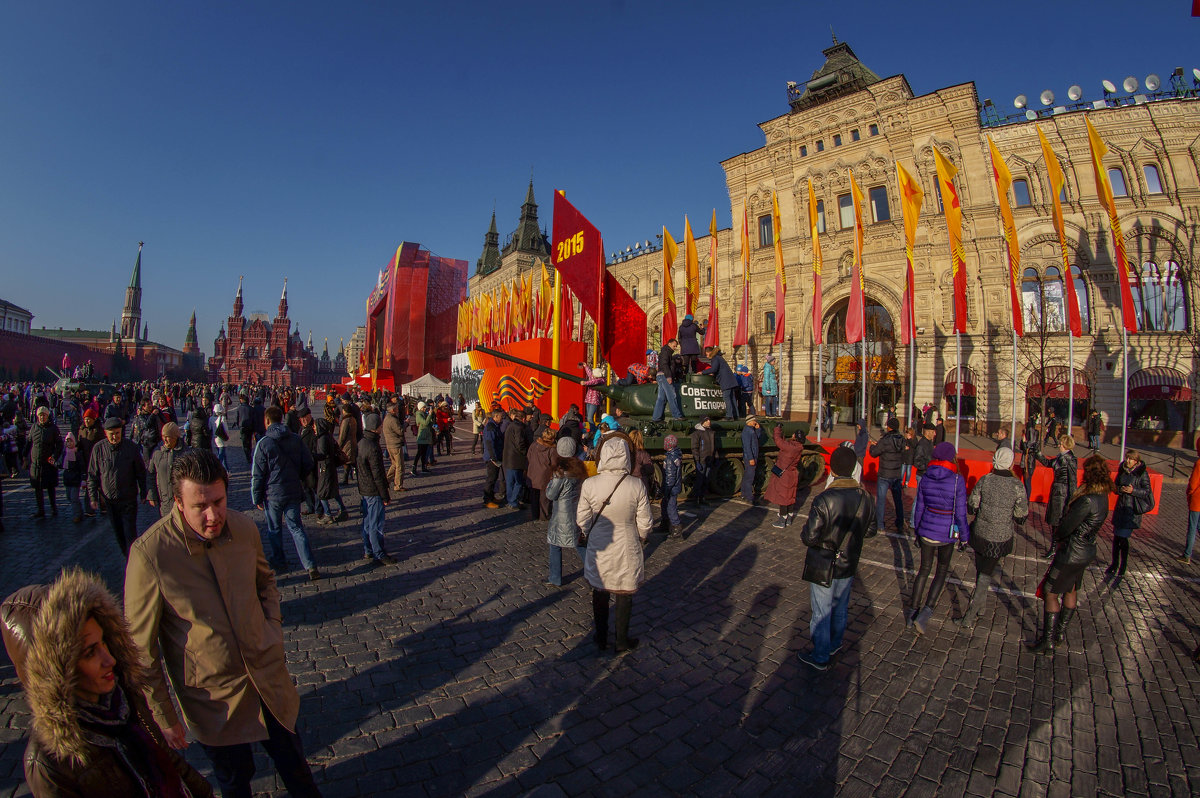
(136, 280)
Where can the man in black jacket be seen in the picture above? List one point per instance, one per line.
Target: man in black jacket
(704, 457)
(665, 378)
(514, 458)
(921, 458)
(373, 487)
(840, 519)
(690, 336)
(724, 377)
(890, 451)
(117, 474)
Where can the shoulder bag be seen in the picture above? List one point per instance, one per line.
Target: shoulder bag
(583, 535)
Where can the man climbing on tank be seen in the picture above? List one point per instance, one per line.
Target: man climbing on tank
(724, 377)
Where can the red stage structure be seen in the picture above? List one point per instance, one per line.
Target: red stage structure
(412, 315)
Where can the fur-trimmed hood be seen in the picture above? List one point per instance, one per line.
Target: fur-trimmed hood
(48, 630)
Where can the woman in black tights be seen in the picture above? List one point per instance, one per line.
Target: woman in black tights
(940, 519)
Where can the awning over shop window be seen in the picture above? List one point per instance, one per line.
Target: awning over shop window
(1054, 384)
(968, 382)
(1160, 382)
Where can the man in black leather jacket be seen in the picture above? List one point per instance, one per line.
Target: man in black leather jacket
(890, 451)
(841, 518)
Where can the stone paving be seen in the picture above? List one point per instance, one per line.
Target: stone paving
(462, 672)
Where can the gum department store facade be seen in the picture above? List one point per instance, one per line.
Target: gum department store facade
(846, 118)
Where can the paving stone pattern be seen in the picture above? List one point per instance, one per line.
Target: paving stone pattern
(462, 672)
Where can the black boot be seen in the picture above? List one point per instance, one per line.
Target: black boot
(1045, 643)
(978, 600)
(624, 611)
(1064, 620)
(918, 595)
(1116, 558)
(1124, 556)
(600, 614)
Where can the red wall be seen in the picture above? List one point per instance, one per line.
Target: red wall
(31, 354)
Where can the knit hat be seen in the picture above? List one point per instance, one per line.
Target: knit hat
(41, 410)
(219, 408)
(597, 372)
(842, 462)
(169, 430)
(688, 317)
(770, 358)
(91, 413)
(1002, 460)
(609, 422)
(944, 451)
(893, 423)
(304, 412)
(371, 422)
(751, 418)
(743, 369)
(421, 405)
(565, 447)
(670, 442)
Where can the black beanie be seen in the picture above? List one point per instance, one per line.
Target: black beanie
(842, 462)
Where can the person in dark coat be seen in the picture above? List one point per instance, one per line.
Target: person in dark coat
(277, 473)
(939, 433)
(373, 487)
(1134, 498)
(724, 377)
(890, 451)
(308, 435)
(199, 433)
(328, 457)
(117, 476)
(690, 335)
(160, 489)
(1074, 550)
(563, 492)
(672, 486)
(940, 518)
(998, 501)
(782, 487)
(665, 377)
(1066, 470)
(540, 456)
(840, 519)
(1095, 429)
(751, 455)
(45, 447)
(493, 456)
(515, 459)
(862, 439)
(704, 457)
(1031, 447)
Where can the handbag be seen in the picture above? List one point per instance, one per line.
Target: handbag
(776, 471)
(583, 534)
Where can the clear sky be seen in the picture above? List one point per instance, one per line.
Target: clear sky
(308, 139)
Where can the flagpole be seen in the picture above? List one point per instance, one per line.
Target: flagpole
(1071, 384)
(958, 373)
(865, 417)
(1125, 372)
(820, 385)
(1012, 433)
(555, 345)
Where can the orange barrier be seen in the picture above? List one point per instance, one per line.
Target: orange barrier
(974, 463)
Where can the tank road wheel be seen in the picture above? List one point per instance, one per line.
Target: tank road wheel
(688, 477)
(811, 468)
(765, 464)
(660, 477)
(728, 477)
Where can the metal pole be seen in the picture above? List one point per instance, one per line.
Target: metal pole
(555, 344)
(912, 376)
(820, 386)
(1125, 372)
(865, 413)
(958, 370)
(1012, 433)
(1071, 384)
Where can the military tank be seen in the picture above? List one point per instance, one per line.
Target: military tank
(699, 398)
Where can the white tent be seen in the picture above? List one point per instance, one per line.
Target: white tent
(426, 386)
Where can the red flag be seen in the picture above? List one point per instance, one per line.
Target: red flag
(856, 311)
(670, 324)
(712, 333)
(741, 333)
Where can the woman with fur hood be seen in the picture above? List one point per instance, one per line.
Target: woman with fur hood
(92, 733)
(614, 516)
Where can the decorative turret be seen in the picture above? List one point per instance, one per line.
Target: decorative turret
(310, 345)
(489, 261)
(112, 336)
(528, 237)
(190, 345)
(237, 300)
(146, 331)
(131, 314)
(325, 353)
(283, 305)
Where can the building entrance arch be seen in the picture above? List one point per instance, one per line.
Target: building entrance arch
(842, 371)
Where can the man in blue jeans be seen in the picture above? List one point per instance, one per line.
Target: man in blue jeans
(890, 451)
(280, 464)
(840, 519)
(666, 383)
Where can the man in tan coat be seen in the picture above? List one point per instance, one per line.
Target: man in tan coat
(393, 439)
(201, 598)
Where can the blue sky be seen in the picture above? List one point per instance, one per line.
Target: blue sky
(307, 139)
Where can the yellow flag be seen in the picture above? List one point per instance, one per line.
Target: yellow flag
(547, 298)
(952, 209)
(814, 227)
(1057, 181)
(692, 261)
(1104, 189)
(669, 319)
(1003, 178)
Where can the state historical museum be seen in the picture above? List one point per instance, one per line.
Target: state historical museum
(262, 352)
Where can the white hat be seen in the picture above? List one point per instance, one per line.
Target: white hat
(597, 372)
(421, 405)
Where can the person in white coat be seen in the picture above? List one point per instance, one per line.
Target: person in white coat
(614, 517)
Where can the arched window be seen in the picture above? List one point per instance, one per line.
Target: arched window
(769, 321)
(654, 289)
(1153, 184)
(634, 293)
(1117, 179)
(1021, 193)
(1159, 298)
(1044, 303)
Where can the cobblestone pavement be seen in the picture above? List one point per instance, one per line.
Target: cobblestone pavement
(462, 672)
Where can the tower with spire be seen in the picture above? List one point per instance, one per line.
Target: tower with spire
(190, 345)
(489, 260)
(528, 238)
(131, 313)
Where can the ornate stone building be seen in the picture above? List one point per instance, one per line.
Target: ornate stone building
(258, 351)
(522, 249)
(847, 118)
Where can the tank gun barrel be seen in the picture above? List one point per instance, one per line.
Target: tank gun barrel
(575, 378)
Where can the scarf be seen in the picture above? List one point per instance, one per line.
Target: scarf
(70, 453)
(106, 724)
